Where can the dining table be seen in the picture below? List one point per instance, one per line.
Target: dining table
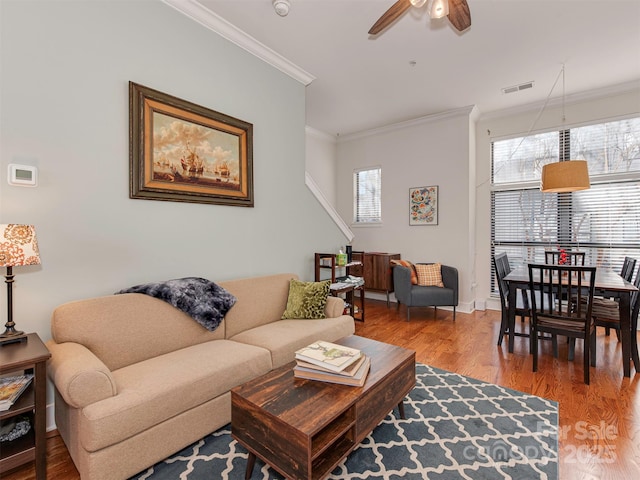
(608, 284)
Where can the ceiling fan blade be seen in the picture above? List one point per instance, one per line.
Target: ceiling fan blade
(459, 14)
(390, 16)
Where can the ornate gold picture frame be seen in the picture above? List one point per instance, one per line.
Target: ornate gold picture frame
(184, 152)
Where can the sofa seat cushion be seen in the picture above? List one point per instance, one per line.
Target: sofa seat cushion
(162, 387)
(282, 338)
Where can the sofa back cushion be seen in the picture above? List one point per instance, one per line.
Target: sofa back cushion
(125, 329)
(260, 300)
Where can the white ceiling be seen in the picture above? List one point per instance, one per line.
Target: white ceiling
(363, 82)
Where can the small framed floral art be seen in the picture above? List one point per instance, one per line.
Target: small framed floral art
(423, 205)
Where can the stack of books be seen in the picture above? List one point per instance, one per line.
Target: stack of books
(11, 388)
(328, 362)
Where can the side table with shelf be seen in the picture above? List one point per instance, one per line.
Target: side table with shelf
(30, 356)
(327, 261)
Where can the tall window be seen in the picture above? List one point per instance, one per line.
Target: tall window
(367, 187)
(604, 221)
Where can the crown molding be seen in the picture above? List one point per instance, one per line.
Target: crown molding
(319, 134)
(436, 117)
(205, 17)
(596, 94)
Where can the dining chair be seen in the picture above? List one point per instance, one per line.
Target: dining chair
(572, 257)
(628, 266)
(606, 313)
(557, 317)
(502, 268)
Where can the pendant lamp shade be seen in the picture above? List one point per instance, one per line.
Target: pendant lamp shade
(565, 176)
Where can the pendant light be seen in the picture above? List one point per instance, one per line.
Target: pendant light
(565, 175)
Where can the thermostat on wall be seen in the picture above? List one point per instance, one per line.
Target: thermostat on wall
(23, 175)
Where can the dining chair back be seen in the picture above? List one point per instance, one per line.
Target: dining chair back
(606, 313)
(628, 266)
(554, 257)
(503, 268)
(554, 316)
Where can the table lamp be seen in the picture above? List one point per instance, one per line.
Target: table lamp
(18, 247)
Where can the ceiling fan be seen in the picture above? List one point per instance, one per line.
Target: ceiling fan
(457, 11)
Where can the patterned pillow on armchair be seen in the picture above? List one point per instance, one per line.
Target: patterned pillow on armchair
(410, 266)
(430, 275)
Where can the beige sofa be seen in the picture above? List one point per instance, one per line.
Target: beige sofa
(137, 379)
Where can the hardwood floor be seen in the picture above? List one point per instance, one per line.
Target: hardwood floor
(599, 433)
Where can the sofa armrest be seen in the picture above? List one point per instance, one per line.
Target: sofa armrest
(402, 284)
(450, 280)
(79, 376)
(334, 307)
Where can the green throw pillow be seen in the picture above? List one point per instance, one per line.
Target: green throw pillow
(306, 299)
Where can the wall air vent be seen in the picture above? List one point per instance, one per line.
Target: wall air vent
(517, 88)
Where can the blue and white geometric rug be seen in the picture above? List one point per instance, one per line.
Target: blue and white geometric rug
(456, 428)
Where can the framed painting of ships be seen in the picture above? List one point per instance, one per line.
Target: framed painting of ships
(184, 152)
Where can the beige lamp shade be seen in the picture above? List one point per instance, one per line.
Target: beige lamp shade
(18, 245)
(566, 176)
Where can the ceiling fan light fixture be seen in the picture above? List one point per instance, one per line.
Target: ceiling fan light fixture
(457, 11)
(438, 8)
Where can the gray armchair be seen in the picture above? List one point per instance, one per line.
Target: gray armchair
(421, 296)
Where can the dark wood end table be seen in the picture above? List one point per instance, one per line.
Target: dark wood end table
(29, 356)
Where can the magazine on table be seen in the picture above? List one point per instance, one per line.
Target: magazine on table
(350, 371)
(11, 387)
(328, 355)
(357, 380)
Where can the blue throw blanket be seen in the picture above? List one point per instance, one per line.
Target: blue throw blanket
(202, 299)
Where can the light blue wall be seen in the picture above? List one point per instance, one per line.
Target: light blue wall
(65, 68)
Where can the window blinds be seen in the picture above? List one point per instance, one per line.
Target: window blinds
(603, 221)
(368, 190)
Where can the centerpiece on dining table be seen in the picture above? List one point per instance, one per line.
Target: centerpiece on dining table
(564, 258)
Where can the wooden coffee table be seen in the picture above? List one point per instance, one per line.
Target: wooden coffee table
(304, 428)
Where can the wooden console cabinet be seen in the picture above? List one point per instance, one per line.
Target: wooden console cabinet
(376, 270)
